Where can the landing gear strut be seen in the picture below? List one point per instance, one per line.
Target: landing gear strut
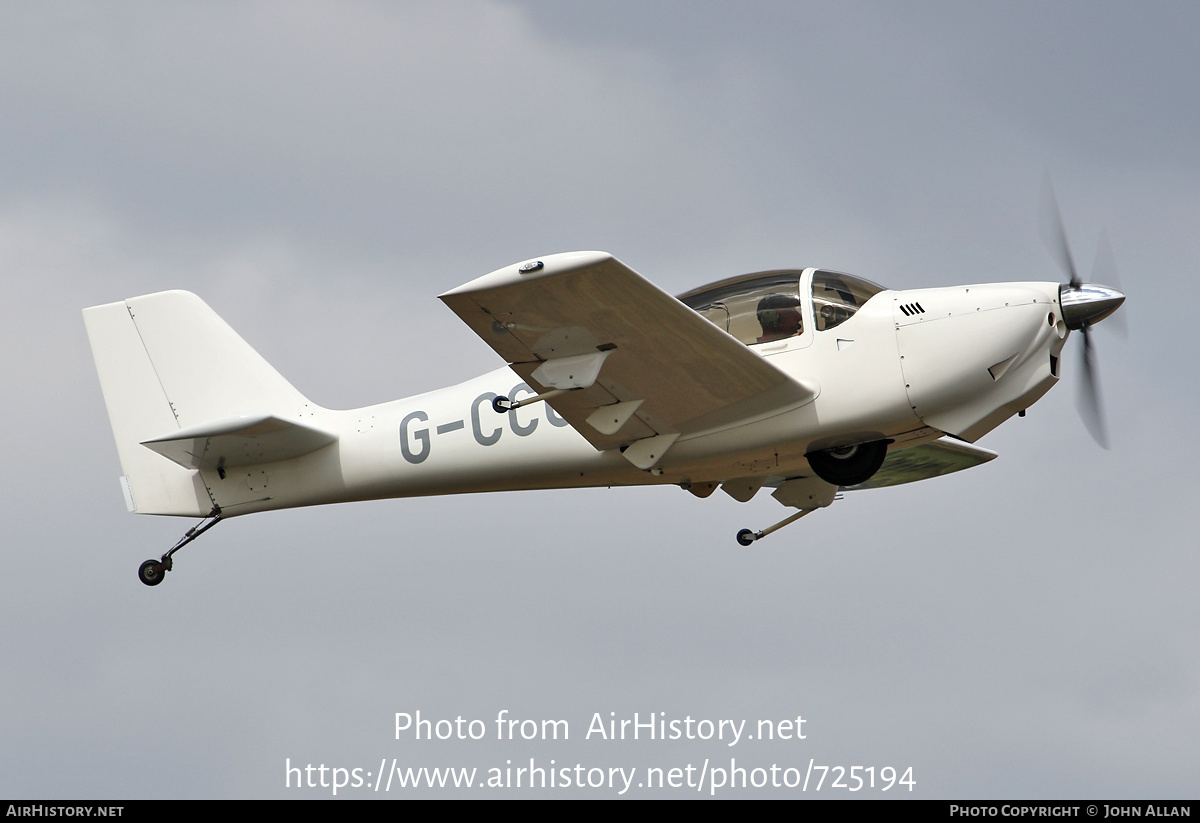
(500, 405)
(745, 537)
(153, 571)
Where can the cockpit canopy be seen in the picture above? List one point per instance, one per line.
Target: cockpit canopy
(767, 306)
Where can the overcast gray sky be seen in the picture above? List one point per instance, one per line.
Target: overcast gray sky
(320, 172)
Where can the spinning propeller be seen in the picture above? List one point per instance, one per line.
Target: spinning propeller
(1083, 304)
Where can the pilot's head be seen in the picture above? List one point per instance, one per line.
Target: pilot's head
(779, 315)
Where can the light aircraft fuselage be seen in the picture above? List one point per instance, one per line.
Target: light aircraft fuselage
(806, 382)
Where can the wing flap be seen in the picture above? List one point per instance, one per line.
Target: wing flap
(688, 375)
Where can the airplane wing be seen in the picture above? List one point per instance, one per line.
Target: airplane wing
(636, 363)
(932, 459)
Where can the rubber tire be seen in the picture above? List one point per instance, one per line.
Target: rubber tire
(497, 408)
(152, 572)
(849, 465)
(745, 537)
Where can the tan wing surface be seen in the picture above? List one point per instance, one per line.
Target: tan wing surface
(684, 374)
(932, 459)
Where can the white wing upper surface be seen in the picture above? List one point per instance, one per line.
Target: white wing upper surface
(688, 375)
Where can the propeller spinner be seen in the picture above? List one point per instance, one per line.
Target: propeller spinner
(1083, 305)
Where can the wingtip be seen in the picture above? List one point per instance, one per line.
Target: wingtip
(532, 268)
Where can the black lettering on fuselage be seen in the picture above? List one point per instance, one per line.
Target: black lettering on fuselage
(518, 429)
(421, 436)
(486, 426)
(553, 419)
(476, 427)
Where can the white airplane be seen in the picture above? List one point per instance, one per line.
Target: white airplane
(806, 382)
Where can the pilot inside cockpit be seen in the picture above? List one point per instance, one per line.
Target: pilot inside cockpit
(779, 315)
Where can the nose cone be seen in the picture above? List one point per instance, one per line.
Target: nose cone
(1087, 303)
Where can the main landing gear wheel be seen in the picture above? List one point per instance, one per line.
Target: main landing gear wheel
(849, 465)
(152, 572)
(745, 537)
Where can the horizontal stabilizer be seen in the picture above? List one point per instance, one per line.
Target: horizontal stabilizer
(176, 377)
(239, 441)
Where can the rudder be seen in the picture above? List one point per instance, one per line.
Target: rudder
(167, 362)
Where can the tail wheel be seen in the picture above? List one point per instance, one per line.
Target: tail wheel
(152, 572)
(849, 465)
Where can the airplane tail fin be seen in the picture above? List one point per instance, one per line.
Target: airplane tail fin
(172, 370)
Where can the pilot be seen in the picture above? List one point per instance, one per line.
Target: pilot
(779, 315)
